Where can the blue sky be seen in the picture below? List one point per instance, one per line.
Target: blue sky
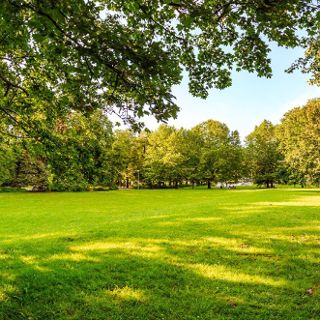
(250, 100)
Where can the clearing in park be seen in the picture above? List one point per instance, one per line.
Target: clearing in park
(160, 254)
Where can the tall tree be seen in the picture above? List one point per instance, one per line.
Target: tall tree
(299, 137)
(164, 158)
(79, 151)
(211, 136)
(230, 162)
(262, 153)
(122, 157)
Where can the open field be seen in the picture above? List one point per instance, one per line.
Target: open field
(170, 254)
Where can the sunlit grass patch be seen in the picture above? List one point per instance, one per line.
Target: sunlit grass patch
(217, 272)
(300, 201)
(160, 254)
(3, 296)
(76, 257)
(127, 293)
(113, 245)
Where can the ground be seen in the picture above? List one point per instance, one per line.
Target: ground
(160, 254)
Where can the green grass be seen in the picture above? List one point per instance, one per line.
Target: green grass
(170, 254)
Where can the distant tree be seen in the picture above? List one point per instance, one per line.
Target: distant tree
(211, 137)
(128, 156)
(79, 151)
(299, 139)
(165, 158)
(297, 177)
(22, 160)
(230, 162)
(8, 157)
(189, 148)
(288, 175)
(262, 154)
(122, 157)
(31, 172)
(138, 154)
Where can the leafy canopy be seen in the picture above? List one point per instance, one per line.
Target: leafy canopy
(125, 55)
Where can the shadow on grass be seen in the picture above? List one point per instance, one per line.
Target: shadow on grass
(238, 262)
(153, 279)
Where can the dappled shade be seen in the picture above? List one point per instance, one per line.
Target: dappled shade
(200, 254)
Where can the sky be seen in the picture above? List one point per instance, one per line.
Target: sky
(250, 100)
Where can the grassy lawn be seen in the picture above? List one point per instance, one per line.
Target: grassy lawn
(171, 254)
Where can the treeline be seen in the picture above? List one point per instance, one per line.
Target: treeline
(83, 152)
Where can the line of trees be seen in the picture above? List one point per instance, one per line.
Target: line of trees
(81, 152)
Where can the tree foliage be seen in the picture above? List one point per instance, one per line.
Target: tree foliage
(84, 152)
(211, 135)
(299, 137)
(125, 55)
(165, 157)
(262, 153)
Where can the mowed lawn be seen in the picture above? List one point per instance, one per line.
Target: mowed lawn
(160, 254)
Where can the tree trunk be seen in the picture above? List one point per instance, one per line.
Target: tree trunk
(209, 184)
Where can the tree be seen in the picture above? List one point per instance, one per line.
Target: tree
(230, 162)
(8, 156)
(125, 55)
(288, 175)
(310, 63)
(122, 155)
(262, 154)
(22, 161)
(138, 154)
(31, 172)
(211, 137)
(74, 153)
(299, 139)
(189, 150)
(80, 154)
(165, 159)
